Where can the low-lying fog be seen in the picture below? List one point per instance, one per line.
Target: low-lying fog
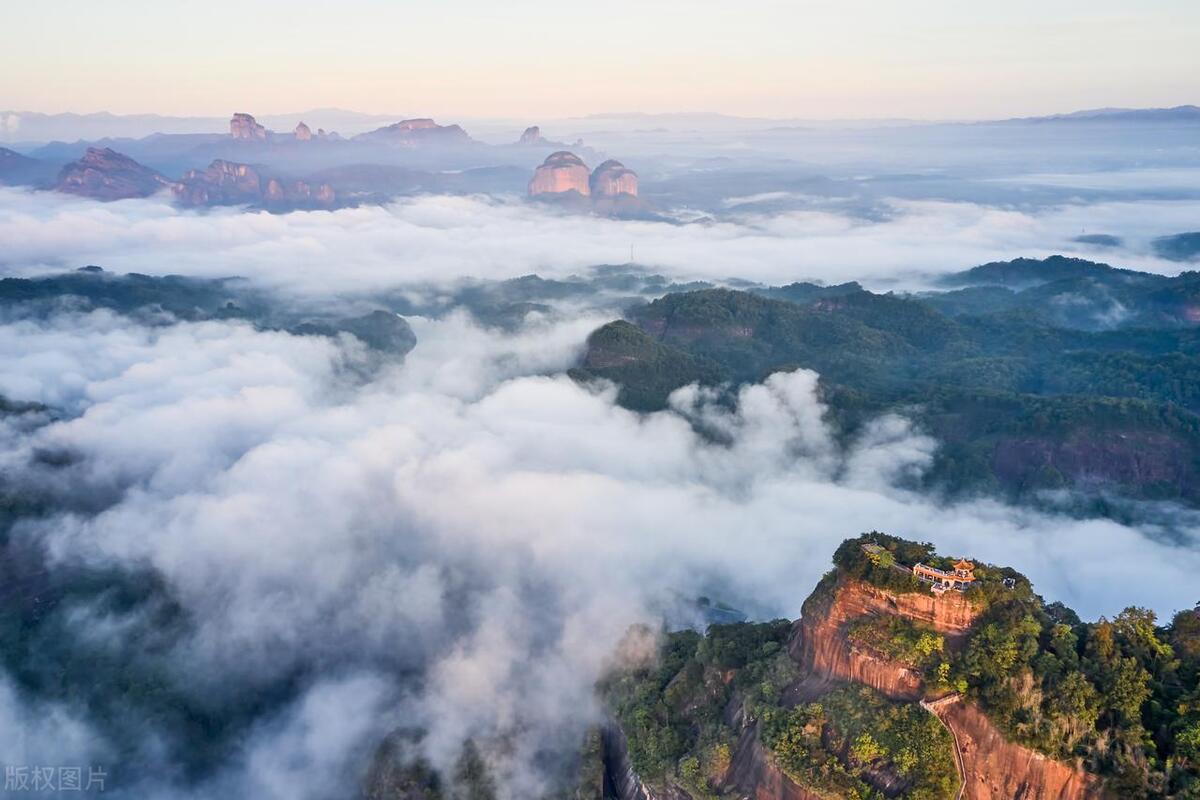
(457, 542)
(435, 238)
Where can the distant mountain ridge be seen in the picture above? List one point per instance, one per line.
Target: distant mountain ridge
(1185, 113)
(32, 126)
(255, 165)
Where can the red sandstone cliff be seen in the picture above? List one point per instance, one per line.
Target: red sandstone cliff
(613, 178)
(999, 770)
(821, 646)
(610, 191)
(753, 774)
(995, 769)
(561, 172)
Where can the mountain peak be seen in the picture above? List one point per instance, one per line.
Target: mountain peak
(613, 178)
(244, 126)
(104, 174)
(417, 132)
(561, 172)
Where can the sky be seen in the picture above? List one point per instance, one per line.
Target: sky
(938, 59)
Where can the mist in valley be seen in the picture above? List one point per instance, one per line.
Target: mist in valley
(250, 554)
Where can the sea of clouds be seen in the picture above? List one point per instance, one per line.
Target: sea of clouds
(459, 541)
(434, 238)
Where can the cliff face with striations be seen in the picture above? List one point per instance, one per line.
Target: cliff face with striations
(621, 780)
(613, 178)
(951, 614)
(995, 769)
(822, 647)
(561, 172)
(610, 191)
(999, 770)
(753, 774)
(826, 657)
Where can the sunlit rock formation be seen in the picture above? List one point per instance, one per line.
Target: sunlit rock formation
(613, 178)
(560, 173)
(303, 133)
(105, 174)
(784, 734)
(244, 127)
(231, 183)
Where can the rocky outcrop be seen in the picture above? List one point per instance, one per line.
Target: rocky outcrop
(996, 769)
(417, 133)
(754, 774)
(325, 195)
(532, 135)
(621, 780)
(231, 183)
(302, 133)
(612, 178)
(821, 646)
(832, 658)
(244, 127)
(560, 173)
(223, 183)
(105, 174)
(610, 191)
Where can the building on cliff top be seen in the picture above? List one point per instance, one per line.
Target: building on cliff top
(959, 579)
(940, 581)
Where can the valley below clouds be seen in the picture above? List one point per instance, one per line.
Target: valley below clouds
(312, 548)
(457, 542)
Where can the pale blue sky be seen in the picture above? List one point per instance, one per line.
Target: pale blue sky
(536, 59)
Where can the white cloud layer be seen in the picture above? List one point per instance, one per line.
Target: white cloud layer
(459, 542)
(439, 238)
(469, 520)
